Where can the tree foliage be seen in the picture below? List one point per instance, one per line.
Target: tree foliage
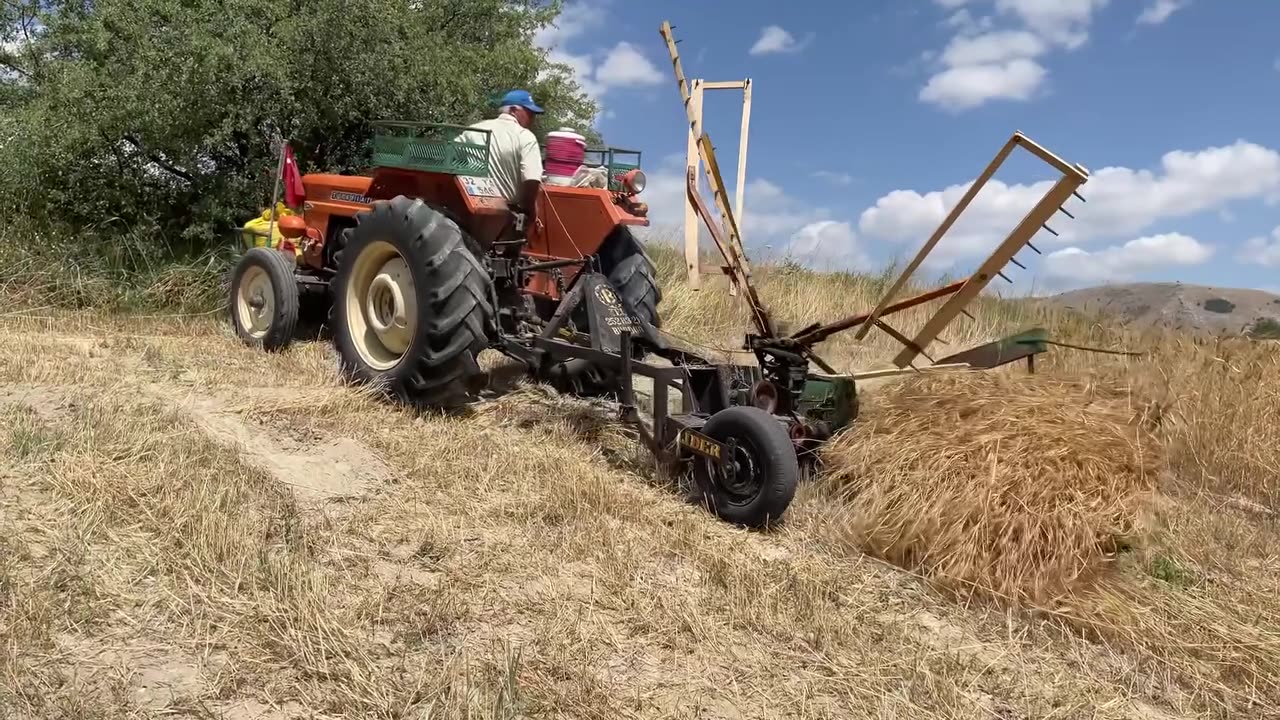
(162, 112)
(1264, 328)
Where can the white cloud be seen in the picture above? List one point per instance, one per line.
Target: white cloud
(835, 178)
(968, 86)
(827, 245)
(575, 20)
(993, 47)
(1160, 10)
(1074, 267)
(1262, 250)
(1121, 201)
(1063, 22)
(775, 39)
(625, 66)
(774, 220)
(981, 64)
(771, 214)
(962, 20)
(622, 66)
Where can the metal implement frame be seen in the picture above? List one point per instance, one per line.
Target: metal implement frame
(962, 292)
(701, 385)
(1072, 177)
(692, 94)
(789, 353)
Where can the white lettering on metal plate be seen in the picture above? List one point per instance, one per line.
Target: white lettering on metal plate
(480, 186)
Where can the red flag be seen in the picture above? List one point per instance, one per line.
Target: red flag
(294, 192)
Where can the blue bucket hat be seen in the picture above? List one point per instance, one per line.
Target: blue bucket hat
(520, 98)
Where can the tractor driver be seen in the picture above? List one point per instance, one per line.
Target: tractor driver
(515, 160)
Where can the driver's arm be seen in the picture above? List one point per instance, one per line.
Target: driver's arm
(530, 176)
(529, 200)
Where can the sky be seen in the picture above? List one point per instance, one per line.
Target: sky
(870, 118)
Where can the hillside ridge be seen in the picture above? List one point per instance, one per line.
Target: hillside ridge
(1176, 306)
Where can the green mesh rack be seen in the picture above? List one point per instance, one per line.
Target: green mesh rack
(430, 147)
(608, 157)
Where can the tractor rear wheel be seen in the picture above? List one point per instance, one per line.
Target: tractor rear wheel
(631, 272)
(763, 474)
(412, 305)
(264, 299)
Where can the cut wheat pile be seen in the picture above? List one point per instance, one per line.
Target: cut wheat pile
(1018, 487)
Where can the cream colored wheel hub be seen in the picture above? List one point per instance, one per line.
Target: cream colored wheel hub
(381, 306)
(255, 302)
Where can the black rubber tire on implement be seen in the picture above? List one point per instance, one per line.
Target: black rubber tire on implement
(284, 298)
(771, 478)
(631, 272)
(453, 293)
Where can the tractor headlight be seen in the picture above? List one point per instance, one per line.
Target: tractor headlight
(634, 181)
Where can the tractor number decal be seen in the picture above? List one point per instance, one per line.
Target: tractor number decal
(606, 295)
(616, 317)
(700, 444)
(348, 197)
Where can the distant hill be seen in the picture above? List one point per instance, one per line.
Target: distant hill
(1179, 306)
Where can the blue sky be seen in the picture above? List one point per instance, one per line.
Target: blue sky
(870, 118)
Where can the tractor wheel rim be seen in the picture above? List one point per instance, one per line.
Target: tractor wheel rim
(255, 302)
(381, 306)
(743, 483)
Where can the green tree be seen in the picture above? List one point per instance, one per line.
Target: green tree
(161, 112)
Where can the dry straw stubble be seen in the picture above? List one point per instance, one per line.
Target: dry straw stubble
(1019, 487)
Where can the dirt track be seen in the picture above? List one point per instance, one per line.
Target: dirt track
(194, 529)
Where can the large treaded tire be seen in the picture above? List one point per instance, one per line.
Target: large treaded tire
(631, 272)
(455, 316)
(768, 486)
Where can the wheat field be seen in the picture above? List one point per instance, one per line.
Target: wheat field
(189, 528)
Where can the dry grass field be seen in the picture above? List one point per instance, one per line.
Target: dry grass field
(192, 529)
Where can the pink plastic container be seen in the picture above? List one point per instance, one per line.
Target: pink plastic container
(565, 152)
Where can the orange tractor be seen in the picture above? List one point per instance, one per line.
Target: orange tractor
(424, 266)
(447, 183)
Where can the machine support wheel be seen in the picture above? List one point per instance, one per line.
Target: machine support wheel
(756, 490)
(632, 274)
(264, 299)
(412, 305)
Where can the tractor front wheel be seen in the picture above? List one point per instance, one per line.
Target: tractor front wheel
(264, 299)
(758, 483)
(411, 305)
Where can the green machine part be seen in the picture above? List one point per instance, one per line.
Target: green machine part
(1026, 344)
(831, 399)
